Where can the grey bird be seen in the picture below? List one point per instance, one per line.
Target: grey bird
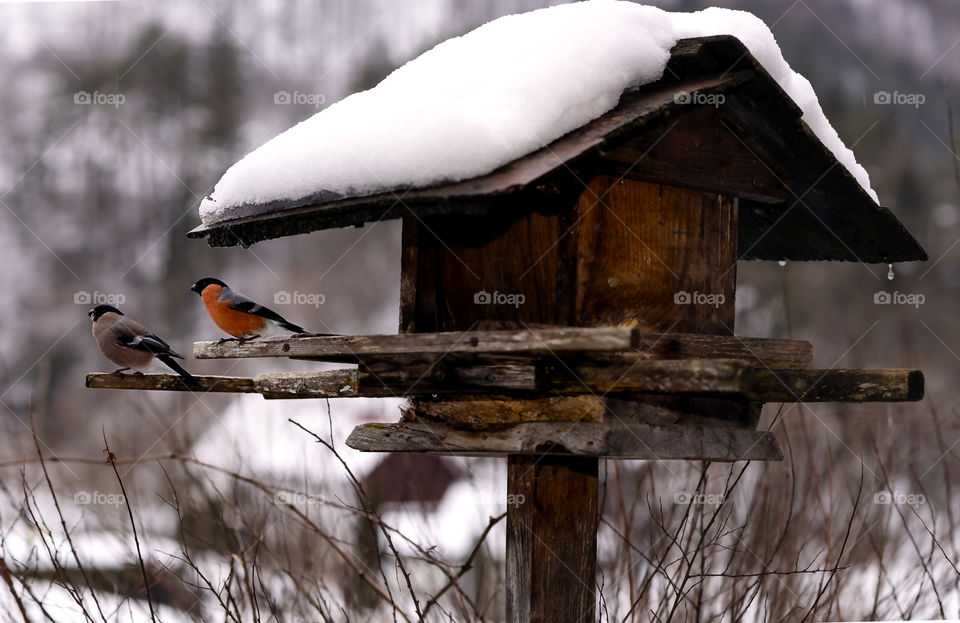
(131, 345)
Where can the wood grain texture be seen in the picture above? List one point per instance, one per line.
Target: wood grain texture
(584, 439)
(679, 376)
(762, 352)
(463, 261)
(521, 251)
(285, 385)
(498, 394)
(652, 254)
(541, 527)
(886, 385)
(169, 382)
(546, 341)
(478, 412)
(698, 150)
(323, 384)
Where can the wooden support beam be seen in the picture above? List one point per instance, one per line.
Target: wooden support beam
(591, 439)
(540, 528)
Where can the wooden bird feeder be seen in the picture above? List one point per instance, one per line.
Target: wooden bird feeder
(578, 304)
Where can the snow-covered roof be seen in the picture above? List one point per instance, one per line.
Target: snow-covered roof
(541, 89)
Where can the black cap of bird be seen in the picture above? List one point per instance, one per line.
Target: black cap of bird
(131, 345)
(240, 316)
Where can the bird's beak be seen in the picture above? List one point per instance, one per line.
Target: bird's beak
(90, 313)
(194, 288)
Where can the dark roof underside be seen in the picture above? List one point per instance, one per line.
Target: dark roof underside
(797, 202)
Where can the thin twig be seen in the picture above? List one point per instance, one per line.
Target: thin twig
(133, 525)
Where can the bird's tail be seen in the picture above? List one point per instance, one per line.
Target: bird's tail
(289, 326)
(188, 378)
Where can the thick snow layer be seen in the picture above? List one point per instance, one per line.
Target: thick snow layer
(476, 102)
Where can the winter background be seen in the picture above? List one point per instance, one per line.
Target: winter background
(118, 118)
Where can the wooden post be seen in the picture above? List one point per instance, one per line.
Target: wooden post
(617, 254)
(552, 520)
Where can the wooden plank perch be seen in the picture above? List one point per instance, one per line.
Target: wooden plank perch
(599, 439)
(695, 377)
(169, 382)
(352, 348)
(538, 342)
(324, 384)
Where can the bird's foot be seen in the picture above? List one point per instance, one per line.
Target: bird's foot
(119, 371)
(227, 339)
(137, 373)
(244, 340)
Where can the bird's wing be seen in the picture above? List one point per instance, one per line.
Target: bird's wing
(149, 343)
(244, 304)
(132, 334)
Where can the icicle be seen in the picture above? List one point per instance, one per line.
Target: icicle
(782, 262)
(890, 272)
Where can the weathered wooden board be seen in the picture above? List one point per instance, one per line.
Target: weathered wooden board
(695, 376)
(350, 348)
(885, 385)
(324, 384)
(478, 412)
(540, 526)
(699, 152)
(762, 352)
(169, 382)
(495, 387)
(628, 343)
(592, 439)
(662, 256)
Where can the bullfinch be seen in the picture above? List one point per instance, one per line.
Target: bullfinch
(131, 345)
(240, 316)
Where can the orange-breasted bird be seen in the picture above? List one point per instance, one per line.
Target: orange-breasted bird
(131, 345)
(239, 315)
